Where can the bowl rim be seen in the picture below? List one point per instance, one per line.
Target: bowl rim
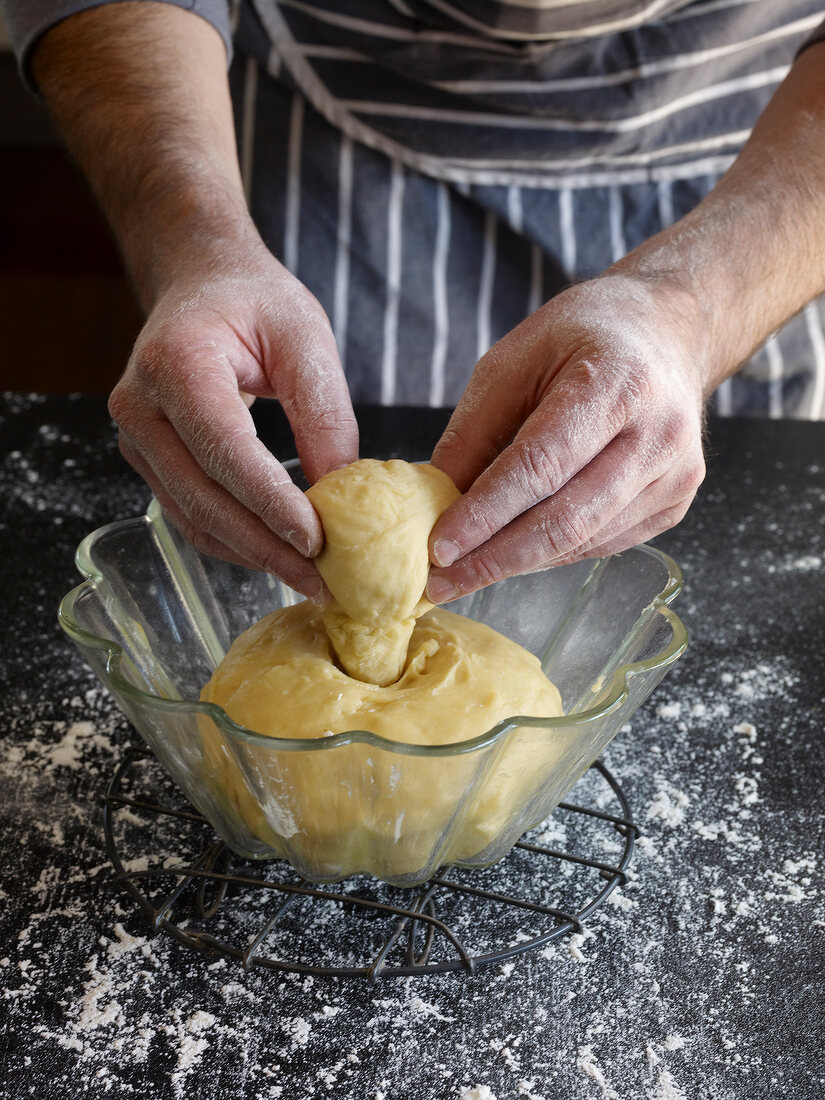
(114, 656)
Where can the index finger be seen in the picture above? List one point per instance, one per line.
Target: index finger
(216, 426)
(576, 420)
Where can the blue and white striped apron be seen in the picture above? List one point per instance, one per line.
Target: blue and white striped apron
(433, 177)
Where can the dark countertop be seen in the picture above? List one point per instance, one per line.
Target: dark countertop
(703, 978)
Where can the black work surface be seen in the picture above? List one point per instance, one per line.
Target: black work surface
(702, 979)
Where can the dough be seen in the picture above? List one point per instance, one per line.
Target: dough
(339, 808)
(361, 808)
(377, 517)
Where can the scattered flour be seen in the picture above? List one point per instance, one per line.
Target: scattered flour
(667, 1088)
(719, 905)
(587, 1065)
(668, 805)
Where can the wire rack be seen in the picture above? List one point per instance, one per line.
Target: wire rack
(190, 885)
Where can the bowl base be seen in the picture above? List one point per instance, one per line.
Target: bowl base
(190, 885)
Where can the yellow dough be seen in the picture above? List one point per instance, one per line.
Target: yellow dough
(366, 808)
(336, 809)
(377, 517)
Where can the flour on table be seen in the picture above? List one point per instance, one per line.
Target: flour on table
(723, 901)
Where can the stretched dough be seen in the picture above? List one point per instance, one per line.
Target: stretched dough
(377, 517)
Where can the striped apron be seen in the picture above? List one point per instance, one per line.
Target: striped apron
(434, 171)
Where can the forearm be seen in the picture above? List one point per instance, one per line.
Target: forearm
(140, 92)
(751, 254)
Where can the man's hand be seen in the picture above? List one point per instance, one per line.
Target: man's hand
(580, 432)
(215, 340)
(140, 92)
(579, 435)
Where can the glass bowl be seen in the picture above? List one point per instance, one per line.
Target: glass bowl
(153, 618)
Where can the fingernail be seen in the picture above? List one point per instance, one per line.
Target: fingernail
(440, 590)
(445, 552)
(301, 541)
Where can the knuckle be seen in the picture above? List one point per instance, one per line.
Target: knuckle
(124, 446)
(185, 528)
(674, 431)
(481, 520)
(674, 514)
(202, 542)
(589, 551)
(218, 451)
(308, 318)
(485, 569)
(562, 532)
(119, 404)
(677, 514)
(616, 406)
(156, 356)
(666, 519)
(589, 373)
(309, 305)
(324, 418)
(689, 478)
(639, 389)
(494, 362)
(540, 468)
(151, 356)
(455, 439)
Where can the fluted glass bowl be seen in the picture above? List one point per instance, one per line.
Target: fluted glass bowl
(153, 618)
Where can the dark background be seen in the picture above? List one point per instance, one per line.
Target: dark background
(68, 317)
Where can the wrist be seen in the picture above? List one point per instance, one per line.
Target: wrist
(704, 268)
(671, 316)
(185, 233)
(750, 254)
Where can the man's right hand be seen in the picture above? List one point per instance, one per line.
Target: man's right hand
(238, 328)
(140, 92)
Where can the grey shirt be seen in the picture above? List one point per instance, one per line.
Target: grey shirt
(27, 20)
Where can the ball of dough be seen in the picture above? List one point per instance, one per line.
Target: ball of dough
(377, 517)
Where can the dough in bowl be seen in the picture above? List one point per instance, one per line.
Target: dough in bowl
(338, 808)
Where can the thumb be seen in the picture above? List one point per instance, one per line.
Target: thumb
(503, 390)
(315, 397)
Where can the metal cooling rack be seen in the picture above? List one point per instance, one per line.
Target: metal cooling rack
(264, 915)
